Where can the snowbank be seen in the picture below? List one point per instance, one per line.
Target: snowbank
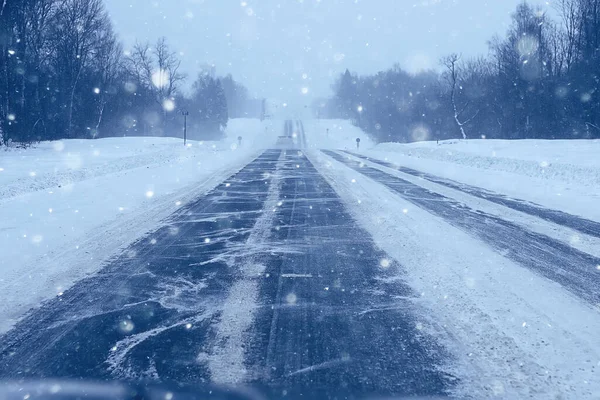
(66, 206)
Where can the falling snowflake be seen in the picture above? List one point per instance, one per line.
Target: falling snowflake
(130, 87)
(291, 298)
(168, 105)
(160, 78)
(126, 326)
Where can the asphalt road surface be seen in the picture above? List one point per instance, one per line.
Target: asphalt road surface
(266, 281)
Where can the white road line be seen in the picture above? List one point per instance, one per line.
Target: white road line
(296, 275)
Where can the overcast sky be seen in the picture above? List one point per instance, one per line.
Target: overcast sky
(291, 50)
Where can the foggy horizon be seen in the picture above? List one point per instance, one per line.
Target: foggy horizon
(290, 53)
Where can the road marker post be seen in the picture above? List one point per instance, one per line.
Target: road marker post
(185, 114)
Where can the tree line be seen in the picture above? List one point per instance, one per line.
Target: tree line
(64, 74)
(541, 80)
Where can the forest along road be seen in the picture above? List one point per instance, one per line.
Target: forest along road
(266, 281)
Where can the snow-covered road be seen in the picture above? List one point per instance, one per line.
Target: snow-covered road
(68, 206)
(266, 280)
(319, 271)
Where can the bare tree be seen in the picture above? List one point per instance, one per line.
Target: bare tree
(168, 70)
(77, 35)
(140, 65)
(108, 64)
(571, 15)
(156, 69)
(156, 74)
(451, 63)
(589, 11)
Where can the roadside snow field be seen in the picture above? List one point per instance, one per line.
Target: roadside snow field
(559, 174)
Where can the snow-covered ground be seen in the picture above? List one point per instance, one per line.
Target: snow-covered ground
(559, 174)
(66, 206)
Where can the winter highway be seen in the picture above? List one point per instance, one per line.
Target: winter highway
(269, 282)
